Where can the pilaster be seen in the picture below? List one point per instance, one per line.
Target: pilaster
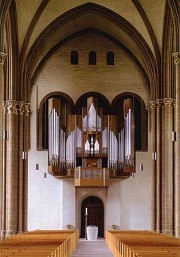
(176, 57)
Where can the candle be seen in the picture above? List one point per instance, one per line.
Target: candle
(86, 212)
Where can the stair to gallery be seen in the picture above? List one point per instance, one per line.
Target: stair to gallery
(97, 248)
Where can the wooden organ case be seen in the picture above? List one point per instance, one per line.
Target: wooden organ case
(91, 147)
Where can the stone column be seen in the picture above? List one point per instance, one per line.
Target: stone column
(167, 172)
(11, 168)
(177, 145)
(158, 171)
(152, 113)
(15, 167)
(2, 60)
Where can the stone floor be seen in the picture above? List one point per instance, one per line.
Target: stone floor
(96, 248)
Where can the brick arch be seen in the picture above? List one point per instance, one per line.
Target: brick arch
(98, 95)
(60, 94)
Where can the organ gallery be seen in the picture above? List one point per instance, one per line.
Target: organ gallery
(94, 142)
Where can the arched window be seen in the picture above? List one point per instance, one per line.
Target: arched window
(92, 58)
(110, 58)
(74, 57)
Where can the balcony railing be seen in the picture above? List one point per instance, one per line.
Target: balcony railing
(91, 177)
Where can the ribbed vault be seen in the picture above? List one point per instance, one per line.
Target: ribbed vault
(101, 20)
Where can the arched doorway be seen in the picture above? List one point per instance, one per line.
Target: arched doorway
(95, 209)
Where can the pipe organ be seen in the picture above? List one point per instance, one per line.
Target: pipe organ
(93, 141)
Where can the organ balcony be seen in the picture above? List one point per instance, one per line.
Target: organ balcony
(91, 177)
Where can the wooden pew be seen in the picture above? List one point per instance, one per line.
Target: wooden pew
(41, 243)
(142, 244)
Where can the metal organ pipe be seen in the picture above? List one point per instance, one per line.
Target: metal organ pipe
(98, 123)
(92, 118)
(49, 139)
(126, 140)
(105, 140)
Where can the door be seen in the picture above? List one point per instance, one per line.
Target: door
(95, 210)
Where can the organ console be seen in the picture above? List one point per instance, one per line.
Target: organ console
(92, 145)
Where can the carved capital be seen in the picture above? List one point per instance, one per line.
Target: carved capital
(16, 107)
(2, 58)
(176, 57)
(21, 107)
(27, 109)
(168, 102)
(158, 102)
(10, 106)
(152, 105)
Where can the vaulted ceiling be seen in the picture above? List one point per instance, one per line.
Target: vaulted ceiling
(136, 25)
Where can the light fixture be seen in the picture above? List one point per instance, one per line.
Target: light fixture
(173, 136)
(141, 167)
(23, 155)
(154, 156)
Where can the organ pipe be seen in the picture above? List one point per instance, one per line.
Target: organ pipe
(91, 135)
(126, 141)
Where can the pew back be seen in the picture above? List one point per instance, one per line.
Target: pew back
(40, 243)
(142, 244)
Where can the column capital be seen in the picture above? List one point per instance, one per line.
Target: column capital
(27, 109)
(168, 102)
(21, 107)
(2, 57)
(10, 106)
(158, 102)
(152, 105)
(16, 107)
(176, 57)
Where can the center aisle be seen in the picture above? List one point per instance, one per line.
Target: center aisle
(97, 248)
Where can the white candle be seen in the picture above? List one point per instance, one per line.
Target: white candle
(86, 212)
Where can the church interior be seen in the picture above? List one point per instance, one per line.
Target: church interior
(89, 116)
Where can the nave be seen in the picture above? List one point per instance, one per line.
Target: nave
(97, 248)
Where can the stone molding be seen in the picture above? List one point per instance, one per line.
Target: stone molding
(2, 58)
(24, 108)
(176, 57)
(16, 107)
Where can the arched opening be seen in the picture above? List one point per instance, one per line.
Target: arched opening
(95, 211)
